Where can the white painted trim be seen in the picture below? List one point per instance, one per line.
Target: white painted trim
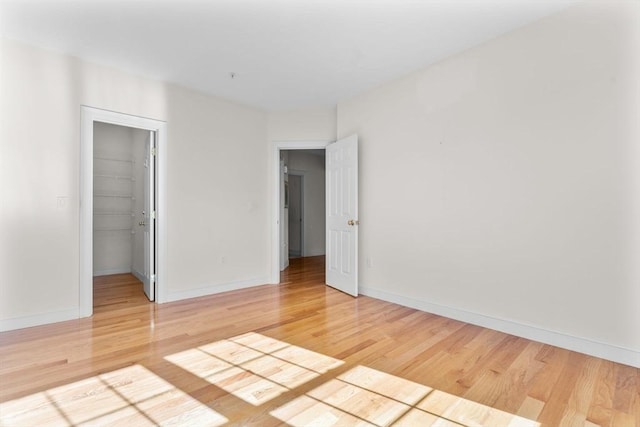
(558, 339)
(276, 146)
(216, 289)
(111, 271)
(38, 319)
(89, 115)
(138, 275)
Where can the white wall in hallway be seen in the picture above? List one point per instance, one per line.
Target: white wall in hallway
(313, 167)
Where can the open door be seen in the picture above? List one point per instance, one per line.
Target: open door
(296, 217)
(342, 215)
(149, 221)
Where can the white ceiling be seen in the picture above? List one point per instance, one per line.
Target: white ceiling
(286, 53)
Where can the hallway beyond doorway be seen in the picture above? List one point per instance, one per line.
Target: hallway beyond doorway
(302, 271)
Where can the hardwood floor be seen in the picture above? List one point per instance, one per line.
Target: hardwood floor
(299, 354)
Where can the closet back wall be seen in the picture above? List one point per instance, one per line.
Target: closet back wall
(118, 188)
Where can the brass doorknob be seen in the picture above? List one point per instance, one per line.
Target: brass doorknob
(353, 222)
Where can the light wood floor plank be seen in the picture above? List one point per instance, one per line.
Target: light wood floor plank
(298, 353)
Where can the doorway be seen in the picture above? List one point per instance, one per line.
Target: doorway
(302, 229)
(117, 217)
(340, 213)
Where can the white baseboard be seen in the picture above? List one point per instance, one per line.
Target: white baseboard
(315, 253)
(60, 316)
(38, 319)
(111, 271)
(138, 275)
(215, 289)
(569, 342)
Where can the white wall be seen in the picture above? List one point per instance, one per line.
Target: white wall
(502, 185)
(306, 124)
(312, 166)
(218, 229)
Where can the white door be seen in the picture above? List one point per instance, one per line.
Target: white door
(149, 221)
(283, 221)
(295, 216)
(342, 215)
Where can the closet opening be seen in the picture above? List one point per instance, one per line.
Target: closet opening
(123, 202)
(122, 207)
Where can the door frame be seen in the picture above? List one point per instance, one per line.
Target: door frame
(88, 116)
(277, 146)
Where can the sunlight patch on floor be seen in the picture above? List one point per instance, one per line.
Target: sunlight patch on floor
(365, 396)
(253, 367)
(128, 396)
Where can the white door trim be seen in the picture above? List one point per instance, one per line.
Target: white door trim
(275, 192)
(89, 115)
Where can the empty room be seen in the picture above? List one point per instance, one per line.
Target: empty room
(320, 213)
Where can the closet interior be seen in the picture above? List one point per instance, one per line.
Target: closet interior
(118, 199)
